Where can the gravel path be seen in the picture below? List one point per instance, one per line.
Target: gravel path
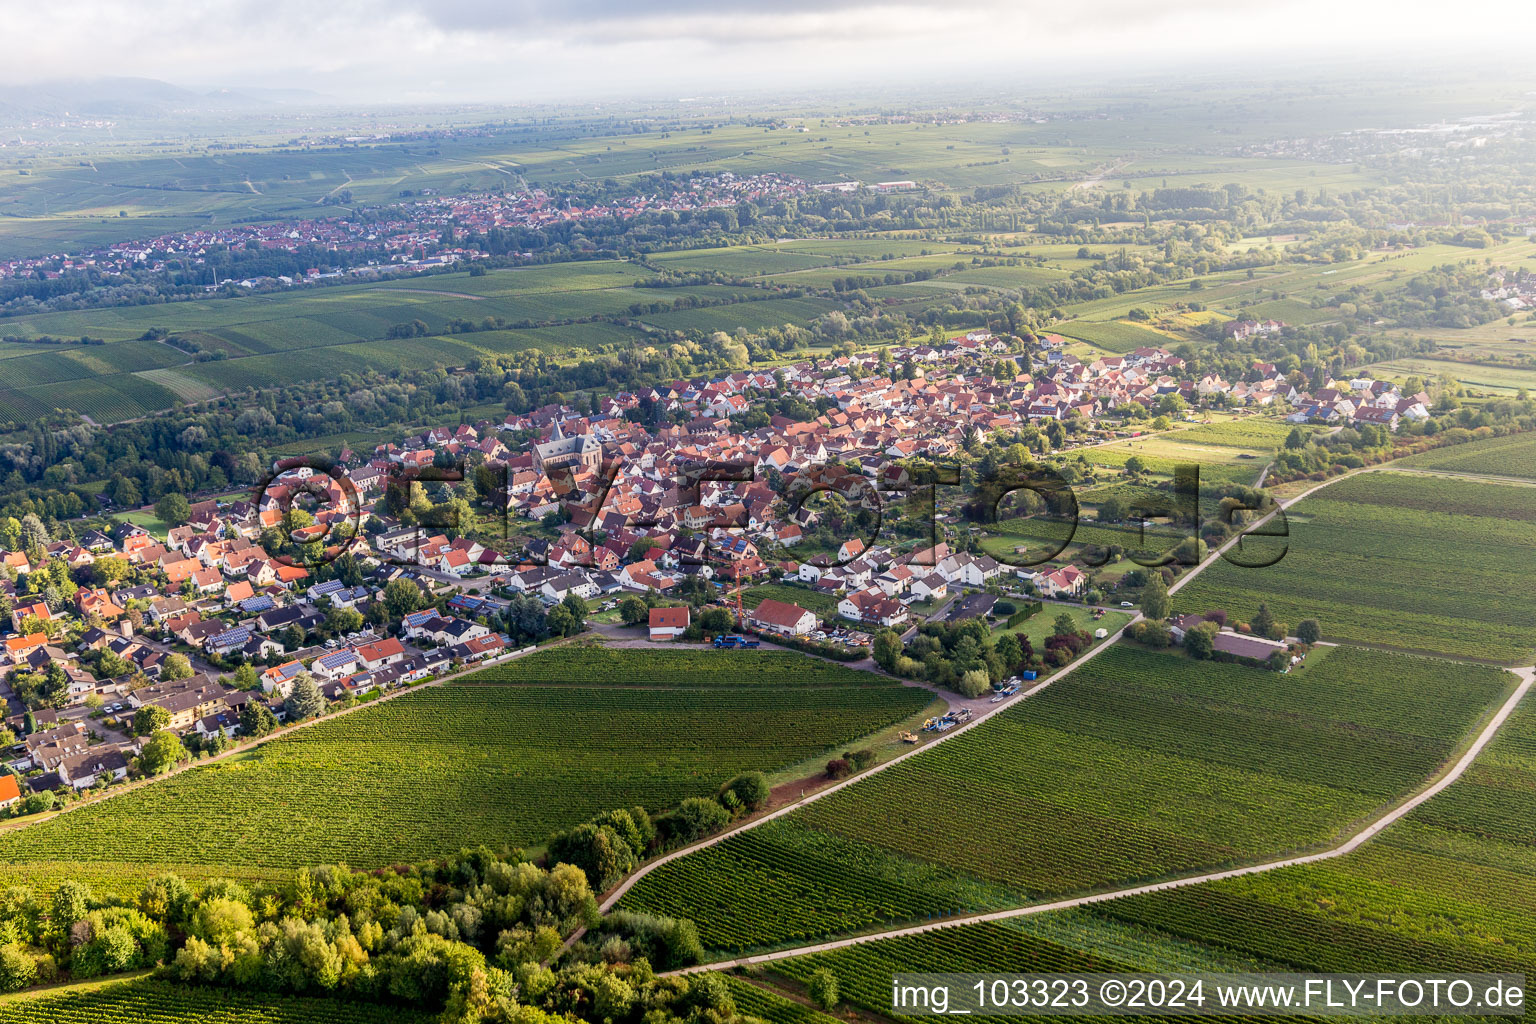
(1527, 675)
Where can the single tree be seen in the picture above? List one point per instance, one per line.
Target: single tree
(176, 666)
(822, 988)
(577, 606)
(1154, 598)
(304, 700)
(150, 719)
(886, 648)
(161, 753)
(1263, 623)
(633, 610)
(401, 597)
(974, 683)
(256, 719)
(172, 509)
(1308, 631)
(1200, 642)
(71, 902)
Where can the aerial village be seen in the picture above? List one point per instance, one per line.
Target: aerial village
(118, 633)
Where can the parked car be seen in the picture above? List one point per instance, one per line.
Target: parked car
(1126, 604)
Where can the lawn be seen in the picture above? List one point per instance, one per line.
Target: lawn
(1424, 563)
(1136, 766)
(1041, 625)
(507, 756)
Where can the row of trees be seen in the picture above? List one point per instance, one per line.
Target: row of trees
(468, 936)
(608, 847)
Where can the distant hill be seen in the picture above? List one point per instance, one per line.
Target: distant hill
(135, 97)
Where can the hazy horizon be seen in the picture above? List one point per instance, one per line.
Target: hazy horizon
(403, 52)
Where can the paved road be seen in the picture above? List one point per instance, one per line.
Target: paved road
(1360, 837)
(1527, 675)
(981, 716)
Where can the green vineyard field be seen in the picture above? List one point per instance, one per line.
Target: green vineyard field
(1139, 765)
(431, 772)
(1424, 563)
(155, 1002)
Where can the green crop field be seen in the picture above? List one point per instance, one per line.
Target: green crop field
(741, 261)
(433, 771)
(1040, 536)
(144, 1001)
(686, 667)
(1251, 433)
(756, 1001)
(1424, 563)
(1139, 765)
(1452, 887)
(278, 338)
(1513, 455)
(751, 315)
(1114, 335)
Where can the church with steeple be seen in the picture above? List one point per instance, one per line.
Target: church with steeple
(581, 451)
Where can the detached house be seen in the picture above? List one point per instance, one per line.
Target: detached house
(782, 617)
(668, 623)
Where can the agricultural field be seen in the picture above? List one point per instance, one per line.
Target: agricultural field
(1452, 887)
(1477, 378)
(756, 1001)
(1039, 537)
(1113, 335)
(1513, 455)
(1253, 433)
(741, 261)
(279, 338)
(1432, 564)
(751, 315)
(1138, 765)
(505, 764)
(164, 1003)
(594, 665)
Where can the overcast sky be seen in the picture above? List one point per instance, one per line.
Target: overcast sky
(496, 50)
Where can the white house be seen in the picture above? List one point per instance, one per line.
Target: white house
(782, 617)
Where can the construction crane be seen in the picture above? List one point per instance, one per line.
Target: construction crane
(735, 591)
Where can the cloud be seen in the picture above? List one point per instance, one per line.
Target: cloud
(499, 50)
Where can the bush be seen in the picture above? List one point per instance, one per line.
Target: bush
(751, 788)
(1152, 634)
(974, 683)
(694, 819)
(839, 768)
(1200, 641)
(822, 988)
(861, 759)
(17, 969)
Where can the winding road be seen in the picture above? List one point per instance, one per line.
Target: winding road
(1396, 812)
(618, 893)
(1527, 675)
